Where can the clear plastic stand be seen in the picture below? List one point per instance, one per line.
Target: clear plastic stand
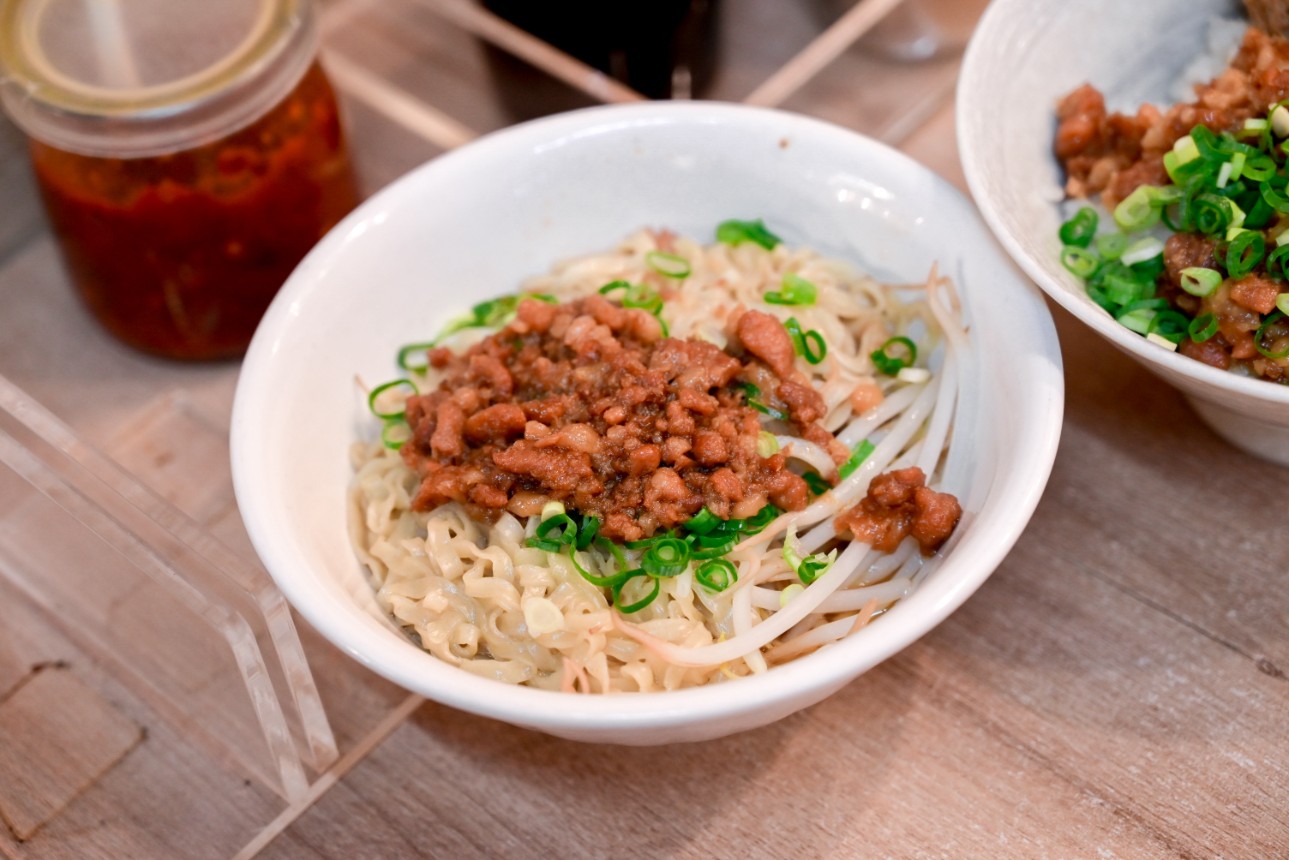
(186, 629)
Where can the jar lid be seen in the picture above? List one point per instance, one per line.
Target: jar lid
(133, 78)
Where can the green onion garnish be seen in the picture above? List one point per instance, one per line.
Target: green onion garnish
(702, 523)
(671, 265)
(1202, 328)
(490, 314)
(1080, 261)
(890, 364)
(815, 481)
(793, 290)
(1282, 302)
(807, 569)
(629, 608)
(1139, 210)
(1080, 229)
(716, 574)
(1169, 324)
(756, 523)
(1244, 253)
(809, 344)
(734, 232)
(1110, 246)
(395, 433)
(638, 296)
(589, 531)
(381, 389)
(406, 352)
(559, 528)
(752, 394)
(812, 566)
(667, 556)
(1199, 281)
(857, 457)
(619, 573)
(1212, 214)
(1283, 336)
(1277, 262)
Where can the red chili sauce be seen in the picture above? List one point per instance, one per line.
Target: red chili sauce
(180, 254)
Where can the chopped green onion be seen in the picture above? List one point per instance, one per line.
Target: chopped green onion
(589, 531)
(1276, 263)
(1257, 168)
(1283, 336)
(667, 556)
(1110, 246)
(1169, 324)
(809, 344)
(1142, 250)
(405, 353)
(857, 457)
(734, 232)
(752, 393)
(1137, 319)
(1079, 261)
(596, 580)
(639, 604)
(1080, 230)
(815, 481)
(1202, 328)
(1200, 281)
(644, 298)
(559, 528)
(1274, 197)
(702, 522)
(1139, 210)
(793, 290)
(767, 444)
(638, 296)
(814, 566)
(890, 364)
(671, 265)
(1244, 253)
(1279, 120)
(376, 392)
(756, 523)
(1213, 214)
(807, 569)
(1282, 302)
(716, 574)
(395, 433)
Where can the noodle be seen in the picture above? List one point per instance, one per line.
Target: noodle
(476, 595)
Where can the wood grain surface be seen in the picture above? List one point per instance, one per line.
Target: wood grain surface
(1117, 689)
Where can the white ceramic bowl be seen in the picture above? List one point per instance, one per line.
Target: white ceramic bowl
(475, 222)
(1023, 57)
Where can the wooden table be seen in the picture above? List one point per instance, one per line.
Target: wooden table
(1117, 689)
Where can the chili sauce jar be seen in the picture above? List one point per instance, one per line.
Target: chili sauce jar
(189, 153)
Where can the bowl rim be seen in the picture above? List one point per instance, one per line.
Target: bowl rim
(820, 671)
(1060, 287)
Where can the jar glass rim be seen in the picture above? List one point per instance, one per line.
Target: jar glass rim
(193, 108)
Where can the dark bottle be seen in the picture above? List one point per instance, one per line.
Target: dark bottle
(662, 49)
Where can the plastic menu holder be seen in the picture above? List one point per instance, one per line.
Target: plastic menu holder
(165, 628)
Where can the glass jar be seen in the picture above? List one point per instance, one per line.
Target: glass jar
(189, 154)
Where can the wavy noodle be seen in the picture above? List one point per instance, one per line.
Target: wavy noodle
(475, 596)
